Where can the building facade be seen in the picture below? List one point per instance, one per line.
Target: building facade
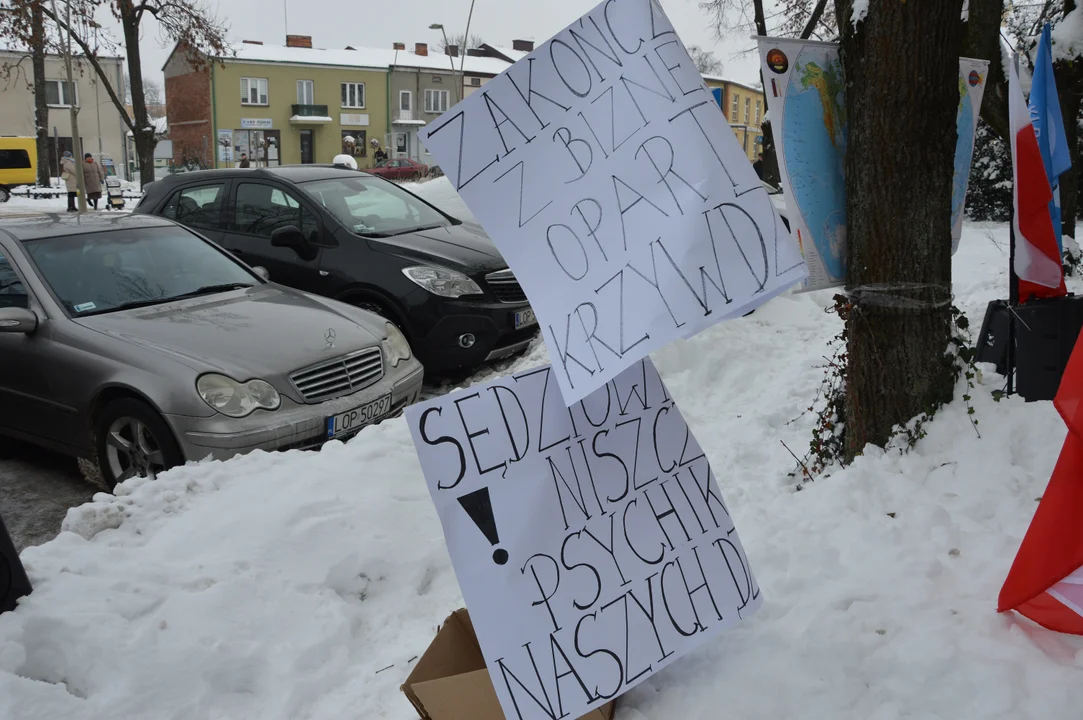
(744, 107)
(277, 105)
(424, 85)
(101, 126)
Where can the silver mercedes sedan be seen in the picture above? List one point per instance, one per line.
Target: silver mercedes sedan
(137, 345)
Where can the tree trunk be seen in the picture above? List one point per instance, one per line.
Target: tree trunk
(143, 131)
(1069, 79)
(983, 43)
(902, 56)
(41, 103)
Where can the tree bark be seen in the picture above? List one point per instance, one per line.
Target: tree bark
(41, 102)
(1069, 78)
(983, 43)
(902, 56)
(142, 128)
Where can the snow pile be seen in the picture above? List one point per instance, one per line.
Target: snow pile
(1068, 36)
(304, 585)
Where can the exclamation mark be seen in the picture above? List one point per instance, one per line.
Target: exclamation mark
(479, 507)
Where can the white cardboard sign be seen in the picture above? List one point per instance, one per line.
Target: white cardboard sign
(591, 542)
(612, 184)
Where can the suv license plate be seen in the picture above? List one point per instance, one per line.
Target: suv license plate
(525, 318)
(353, 420)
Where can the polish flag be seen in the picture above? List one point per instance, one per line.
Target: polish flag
(1037, 260)
(1045, 583)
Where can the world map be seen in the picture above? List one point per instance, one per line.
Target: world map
(815, 134)
(964, 151)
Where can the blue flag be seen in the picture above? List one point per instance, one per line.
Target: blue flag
(1049, 125)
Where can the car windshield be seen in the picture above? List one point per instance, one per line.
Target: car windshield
(374, 207)
(109, 271)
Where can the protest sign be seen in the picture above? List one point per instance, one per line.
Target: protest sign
(591, 542)
(608, 178)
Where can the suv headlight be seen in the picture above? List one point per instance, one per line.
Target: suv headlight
(237, 399)
(441, 281)
(396, 348)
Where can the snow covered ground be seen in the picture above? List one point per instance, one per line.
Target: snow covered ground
(303, 585)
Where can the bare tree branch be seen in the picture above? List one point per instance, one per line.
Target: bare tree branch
(705, 61)
(814, 20)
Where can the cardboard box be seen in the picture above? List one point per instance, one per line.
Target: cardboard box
(450, 681)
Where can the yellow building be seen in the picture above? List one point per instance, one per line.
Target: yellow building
(744, 107)
(278, 105)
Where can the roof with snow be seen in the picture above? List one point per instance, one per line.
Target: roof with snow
(374, 58)
(161, 126)
(730, 81)
(513, 55)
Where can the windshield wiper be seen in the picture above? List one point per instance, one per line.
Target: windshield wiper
(209, 290)
(205, 290)
(405, 231)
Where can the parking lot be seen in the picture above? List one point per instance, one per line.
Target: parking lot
(36, 490)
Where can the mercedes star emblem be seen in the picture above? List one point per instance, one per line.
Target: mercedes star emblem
(330, 337)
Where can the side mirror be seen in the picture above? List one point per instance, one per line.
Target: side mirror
(262, 272)
(18, 320)
(289, 237)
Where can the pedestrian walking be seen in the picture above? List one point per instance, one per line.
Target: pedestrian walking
(244, 161)
(71, 182)
(758, 166)
(93, 178)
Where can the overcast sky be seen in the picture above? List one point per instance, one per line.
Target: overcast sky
(379, 23)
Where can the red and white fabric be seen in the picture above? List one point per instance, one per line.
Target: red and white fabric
(1037, 260)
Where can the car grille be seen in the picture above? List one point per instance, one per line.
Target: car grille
(340, 376)
(505, 287)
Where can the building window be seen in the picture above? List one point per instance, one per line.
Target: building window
(60, 93)
(306, 92)
(759, 108)
(475, 82)
(405, 100)
(254, 91)
(355, 143)
(733, 109)
(436, 101)
(353, 95)
(748, 109)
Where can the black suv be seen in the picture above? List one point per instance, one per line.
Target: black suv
(359, 238)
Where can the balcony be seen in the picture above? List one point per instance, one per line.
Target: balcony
(309, 114)
(406, 117)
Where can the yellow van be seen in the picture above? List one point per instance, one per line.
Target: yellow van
(18, 164)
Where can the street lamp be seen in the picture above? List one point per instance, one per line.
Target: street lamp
(450, 59)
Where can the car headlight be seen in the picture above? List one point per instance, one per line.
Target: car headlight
(396, 348)
(441, 281)
(237, 399)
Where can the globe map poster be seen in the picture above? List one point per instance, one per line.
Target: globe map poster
(805, 90)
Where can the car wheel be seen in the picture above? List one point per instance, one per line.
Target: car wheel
(5, 194)
(377, 309)
(132, 440)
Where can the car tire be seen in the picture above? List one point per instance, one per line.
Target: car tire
(5, 193)
(117, 455)
(377, 308)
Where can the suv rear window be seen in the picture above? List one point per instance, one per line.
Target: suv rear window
(14, 160)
